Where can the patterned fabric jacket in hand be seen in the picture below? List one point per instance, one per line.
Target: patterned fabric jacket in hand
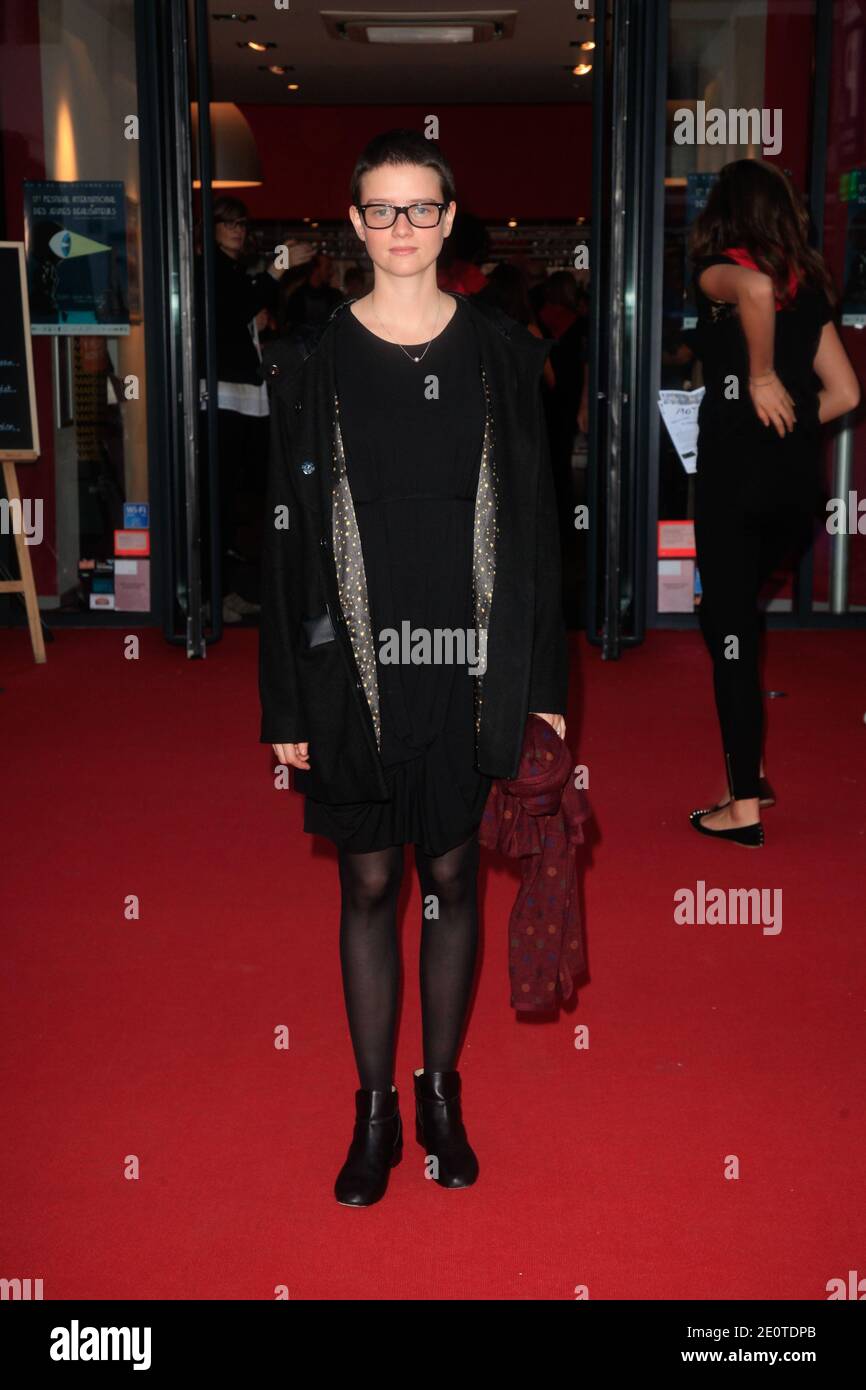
(537, 817)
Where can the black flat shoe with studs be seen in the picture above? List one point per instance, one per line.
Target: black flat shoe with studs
(376, 1148)
(750, 835)
(439, 1128)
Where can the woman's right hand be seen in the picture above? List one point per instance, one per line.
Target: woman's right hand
(773, 405)
(300, 252)
(293, 755)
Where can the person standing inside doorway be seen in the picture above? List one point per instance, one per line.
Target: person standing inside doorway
(775, 372)
(242, 398)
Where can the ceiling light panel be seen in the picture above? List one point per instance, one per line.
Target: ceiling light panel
(417, 27)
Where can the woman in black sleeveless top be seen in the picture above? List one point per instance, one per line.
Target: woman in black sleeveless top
(775, 371)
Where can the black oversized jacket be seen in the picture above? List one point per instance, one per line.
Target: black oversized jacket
(317, 678)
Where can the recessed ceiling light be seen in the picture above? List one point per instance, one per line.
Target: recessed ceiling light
(293, 86)
(582, 69)
(255, 45)
(278, 69)
(398, 27)
(588, 45)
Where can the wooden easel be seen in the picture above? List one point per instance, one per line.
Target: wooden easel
(20, 326)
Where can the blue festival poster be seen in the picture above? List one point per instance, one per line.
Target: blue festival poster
(75, 239)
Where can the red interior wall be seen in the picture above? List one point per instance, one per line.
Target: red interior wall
(787, 86)
(24, 158)
(509, 161)
(789, 52)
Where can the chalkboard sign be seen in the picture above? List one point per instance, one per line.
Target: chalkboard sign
(19, 430)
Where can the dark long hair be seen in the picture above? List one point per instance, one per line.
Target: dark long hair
(755, 205)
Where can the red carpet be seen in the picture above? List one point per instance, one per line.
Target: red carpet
(603, 1167)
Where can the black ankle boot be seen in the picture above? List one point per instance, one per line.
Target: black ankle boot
(376, 1148)
(439, 1127)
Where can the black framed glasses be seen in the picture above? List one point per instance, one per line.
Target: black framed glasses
(386, 214)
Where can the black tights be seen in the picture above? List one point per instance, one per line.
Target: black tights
(371, 962)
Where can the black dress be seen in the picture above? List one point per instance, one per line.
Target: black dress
(413, 453)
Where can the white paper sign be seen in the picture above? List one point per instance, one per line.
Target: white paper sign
(679, 410)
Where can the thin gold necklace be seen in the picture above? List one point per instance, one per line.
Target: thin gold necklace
(410, 355)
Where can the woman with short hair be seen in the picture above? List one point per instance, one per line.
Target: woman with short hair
(413, 498)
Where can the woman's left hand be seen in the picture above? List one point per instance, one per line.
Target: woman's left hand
(556, 722)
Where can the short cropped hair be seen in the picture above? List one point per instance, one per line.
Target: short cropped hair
(402, 147)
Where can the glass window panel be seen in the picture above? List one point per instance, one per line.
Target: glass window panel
(749, 56)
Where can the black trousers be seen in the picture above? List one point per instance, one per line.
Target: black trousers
(243, 460)
(748, 520)
(243, 457)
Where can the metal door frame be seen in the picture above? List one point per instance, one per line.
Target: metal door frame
(625, 354)
(174, 414)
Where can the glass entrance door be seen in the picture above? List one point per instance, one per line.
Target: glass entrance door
(787, 78)
(838, 576)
